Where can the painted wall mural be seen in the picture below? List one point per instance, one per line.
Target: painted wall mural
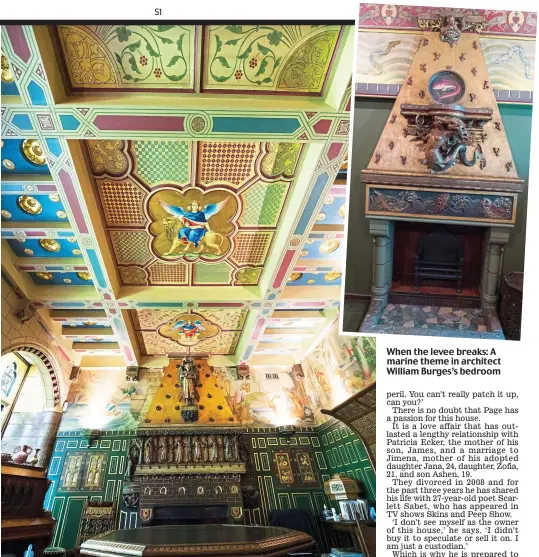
(386, 59)
(336, 368)
(282, 59)
(212, 208)
(102, 399)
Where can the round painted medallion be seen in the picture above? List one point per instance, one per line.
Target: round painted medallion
(32, 152)
(29, 204)
(45, 276)
(329, 246)
(446, 87)
(49, 244)
(332, 276)
(84, 276)
(294, 276)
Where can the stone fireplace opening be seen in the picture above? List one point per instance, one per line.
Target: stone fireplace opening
(436, 264)
(190, 514)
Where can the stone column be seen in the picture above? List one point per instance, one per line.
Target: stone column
(495, 240)
(382, 260)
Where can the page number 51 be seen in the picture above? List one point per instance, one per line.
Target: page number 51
(157, 11)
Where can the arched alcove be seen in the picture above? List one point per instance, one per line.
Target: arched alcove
(31, 412)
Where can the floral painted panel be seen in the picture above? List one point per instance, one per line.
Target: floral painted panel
(129, 56)
(284, 58)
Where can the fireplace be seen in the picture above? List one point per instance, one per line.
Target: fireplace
(441, 196)
(459, 243)
(190, 514)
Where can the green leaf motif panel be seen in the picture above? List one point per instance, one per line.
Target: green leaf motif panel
(284, 58)
(124, 56)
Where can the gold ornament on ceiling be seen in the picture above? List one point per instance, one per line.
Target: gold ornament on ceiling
(97, 339)
(49, 244)
(67, 280)
(90, 323)
(45, 276)
(72, 325)
(32, 152)
(320, 216)
(344, 164)
(76, 252)
(330, 277)
(329, 200)
(72, 239)
(28, 251)
(7, 74)
(29, 205)
(6, 214)
(9, 164)
(84, 276)
(303, 253)
(329, 246)
(311, 281)
(55, 198)
(61, 215)
(21, 240)
(294, 276)
(342, 211)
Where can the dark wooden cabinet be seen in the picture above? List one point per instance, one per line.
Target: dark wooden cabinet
(24, 521)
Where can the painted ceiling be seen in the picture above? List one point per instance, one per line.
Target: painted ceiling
(278, 59)
(146, 226)
(146, 189)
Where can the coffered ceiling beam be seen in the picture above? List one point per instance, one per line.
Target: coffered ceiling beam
(102, 346)
(90, 332)
(311, 293)
(78, 315)
(167, 294)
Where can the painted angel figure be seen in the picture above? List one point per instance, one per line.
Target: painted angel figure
(189, 328)
(194, 228)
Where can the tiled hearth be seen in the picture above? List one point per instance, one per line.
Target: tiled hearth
(436, 320)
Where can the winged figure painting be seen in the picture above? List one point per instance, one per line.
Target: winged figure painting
(189, 328)
(190, 227)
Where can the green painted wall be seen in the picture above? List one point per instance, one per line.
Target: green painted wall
(370, 117)
(66, 506)
(332, 448)
(345, 453)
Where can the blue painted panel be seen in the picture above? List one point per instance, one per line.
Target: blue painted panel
(9, 88)
(12, 151)
(54, 146)
(69, 122)
(68, 304)
(318, 278)
(23, 122)
(37, 95)
(58, 279)
(48, 212)
(79, 326)
(313, 251)
(228, 124)
(66, 248)
(96, 266)
(314, 198)
(331, 211)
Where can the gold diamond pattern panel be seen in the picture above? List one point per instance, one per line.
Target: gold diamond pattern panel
(226, 162)
(107, 156)
(122, 203)
(168, 273)
(251, 248)
(131, 247)
(129, 174)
